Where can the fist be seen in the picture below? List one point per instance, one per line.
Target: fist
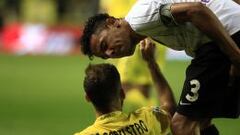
(147, 48)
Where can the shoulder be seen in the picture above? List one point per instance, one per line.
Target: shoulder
(156, 117)
(152, 109)
(142, 8)
(152, 112)
(143, 13)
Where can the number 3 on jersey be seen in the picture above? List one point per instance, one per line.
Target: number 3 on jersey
(195, 84)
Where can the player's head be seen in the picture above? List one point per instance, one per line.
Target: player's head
(103, 87)
(107, 37)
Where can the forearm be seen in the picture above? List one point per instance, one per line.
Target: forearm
(164, 91)
(197, 14)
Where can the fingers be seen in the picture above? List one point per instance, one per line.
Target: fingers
(142, 44)
(146, 44)
(147, 48)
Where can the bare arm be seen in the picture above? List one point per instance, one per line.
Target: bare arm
(166, 98)
(206, 21)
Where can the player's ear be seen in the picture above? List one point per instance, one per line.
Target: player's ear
(122, 94)
(87, 98)
(110, 20)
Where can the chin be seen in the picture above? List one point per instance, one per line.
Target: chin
(126, 54)
(131, 52)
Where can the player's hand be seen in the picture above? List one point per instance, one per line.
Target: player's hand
(147, 48)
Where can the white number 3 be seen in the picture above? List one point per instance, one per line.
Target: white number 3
(195, 87)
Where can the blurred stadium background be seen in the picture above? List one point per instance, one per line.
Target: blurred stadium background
(41, 68)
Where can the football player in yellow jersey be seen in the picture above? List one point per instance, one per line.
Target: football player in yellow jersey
(103, 89)
(136, 81)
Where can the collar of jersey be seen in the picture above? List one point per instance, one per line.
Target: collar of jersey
(110, 117)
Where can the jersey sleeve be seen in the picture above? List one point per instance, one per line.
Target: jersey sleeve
(151, 17)
(166, 15)
(157, 119)
(163, 118)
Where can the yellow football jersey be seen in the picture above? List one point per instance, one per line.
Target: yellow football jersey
(144, 121)
(117, 8)
(135, 99)
(135, 70)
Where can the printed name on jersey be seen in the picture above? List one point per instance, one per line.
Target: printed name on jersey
(137, 128)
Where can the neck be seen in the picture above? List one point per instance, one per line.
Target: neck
(106, 111)
(136, 38)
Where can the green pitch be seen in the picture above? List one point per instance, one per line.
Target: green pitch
(43, 95)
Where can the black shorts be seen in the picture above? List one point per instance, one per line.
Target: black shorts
(207, 91)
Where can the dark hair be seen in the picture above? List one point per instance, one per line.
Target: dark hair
(101, 84)
(93, 25)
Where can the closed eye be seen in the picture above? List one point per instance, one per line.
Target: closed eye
(103, 46)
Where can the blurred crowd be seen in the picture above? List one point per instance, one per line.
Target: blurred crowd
(52, 26)
(43, 26)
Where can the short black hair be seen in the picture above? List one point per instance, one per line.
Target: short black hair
(93, 25)
(101, 85)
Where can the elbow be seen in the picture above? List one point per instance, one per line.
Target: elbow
(189, 11)
(195, 10)
(170, 108)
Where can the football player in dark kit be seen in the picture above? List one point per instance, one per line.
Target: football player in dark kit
(207, 30)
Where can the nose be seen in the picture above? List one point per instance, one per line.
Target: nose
(110, 52)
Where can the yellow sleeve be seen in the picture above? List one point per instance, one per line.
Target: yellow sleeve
(157, 119)
(162, 117)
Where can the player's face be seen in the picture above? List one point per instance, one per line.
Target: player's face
(114, 41)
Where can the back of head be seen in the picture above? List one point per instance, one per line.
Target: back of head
(102, 85)
(94, 25)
